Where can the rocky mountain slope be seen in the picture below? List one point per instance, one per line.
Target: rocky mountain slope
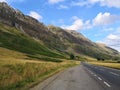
(61, 42)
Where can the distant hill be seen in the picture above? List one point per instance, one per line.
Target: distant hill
(25, 34)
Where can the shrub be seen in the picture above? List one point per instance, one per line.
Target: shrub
(118, 61)
(72, 56)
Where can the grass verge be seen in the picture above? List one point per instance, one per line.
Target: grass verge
(22, 74)
(107, 64)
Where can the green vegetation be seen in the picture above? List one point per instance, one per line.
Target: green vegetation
(72, 56)
(118, 61)
(13, 39)
(25, 34)
(25, 61)
(21, 74)
(45, 58)
(31, 51)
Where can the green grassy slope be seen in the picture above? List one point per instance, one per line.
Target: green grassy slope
(24, 61)
(14, 39)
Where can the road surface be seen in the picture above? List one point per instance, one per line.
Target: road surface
(108, 76)
(83, 77)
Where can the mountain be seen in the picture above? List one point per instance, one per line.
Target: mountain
(25, 34)
(78, 44)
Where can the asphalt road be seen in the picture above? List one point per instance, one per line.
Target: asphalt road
(107, 77)
(83, 77)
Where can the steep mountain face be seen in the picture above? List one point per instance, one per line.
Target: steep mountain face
(78, 44)
(28, 25)
(55, 38)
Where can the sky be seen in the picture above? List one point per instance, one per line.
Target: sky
(98, 20)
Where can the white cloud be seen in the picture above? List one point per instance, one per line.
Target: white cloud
(105, 19)
(75, 18)
(35, 15)
(78, 24)
(63, 7)
(11, 1)
(84, 2)
(102, 19)
(3, 1)
(108, 3)
(113, 40)
(55, 1)
(112, 37)
(93, 1)
(79, 3)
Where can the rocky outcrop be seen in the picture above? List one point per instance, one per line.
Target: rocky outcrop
(16, 18)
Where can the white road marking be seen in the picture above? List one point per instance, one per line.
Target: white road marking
(92, 73)
(114, 73)
(107, 84)
(95, 75)
(99, 78)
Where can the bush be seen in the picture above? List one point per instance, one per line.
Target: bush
(118, 61)
(100, 59)
(72, 56)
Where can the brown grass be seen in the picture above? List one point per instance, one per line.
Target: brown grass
(107, 64)
(19, 73)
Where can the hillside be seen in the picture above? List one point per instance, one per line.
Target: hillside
(78, 44)
(27, 35)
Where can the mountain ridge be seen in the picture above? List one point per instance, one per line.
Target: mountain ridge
(52, 37)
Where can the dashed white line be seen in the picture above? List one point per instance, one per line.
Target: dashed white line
(92, 73)
(89, 71)
(107, 84)
(114, 73)
(99, 78)
(95, 75)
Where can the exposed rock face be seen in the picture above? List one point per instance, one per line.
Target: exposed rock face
(53, 37)
(16, 18)
(10, 16)
(26, 24)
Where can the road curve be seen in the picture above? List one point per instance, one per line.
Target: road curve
(76, 78)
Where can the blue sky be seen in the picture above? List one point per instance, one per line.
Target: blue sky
(98, 20)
